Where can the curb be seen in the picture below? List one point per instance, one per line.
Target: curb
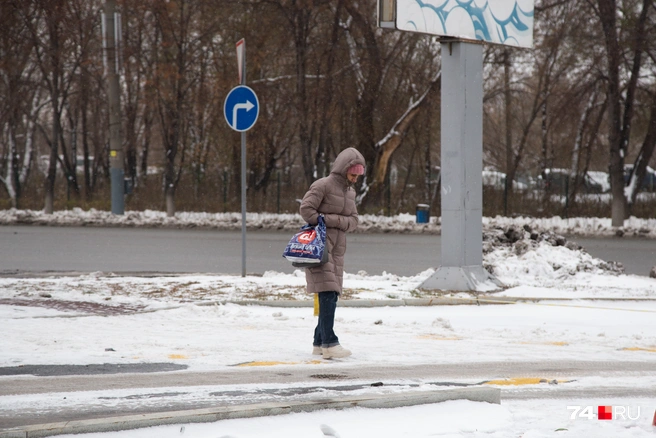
(477, 394)
(438, 301)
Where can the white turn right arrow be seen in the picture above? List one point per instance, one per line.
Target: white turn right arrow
(247, 106)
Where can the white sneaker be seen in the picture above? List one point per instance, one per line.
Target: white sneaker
(316, 350)
(337, 351)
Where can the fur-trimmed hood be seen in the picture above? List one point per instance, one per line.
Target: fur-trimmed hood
(347, 158)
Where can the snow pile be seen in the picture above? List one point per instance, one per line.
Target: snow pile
(401, 223)
(542, 254)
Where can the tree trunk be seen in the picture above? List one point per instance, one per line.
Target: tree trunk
(644, 156)
(170, 201)
(52, 165)
(10, 180)
(299, 18)
(508, 188)
(617, 137)
(171, 150)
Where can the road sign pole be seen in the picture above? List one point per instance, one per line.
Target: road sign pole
(241, 62)
(243, 204)
(240, 110)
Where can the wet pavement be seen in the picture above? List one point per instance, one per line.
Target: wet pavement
(92, 369)
(86, 307)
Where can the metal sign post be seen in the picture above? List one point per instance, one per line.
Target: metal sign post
(241, 109)
(241, 64)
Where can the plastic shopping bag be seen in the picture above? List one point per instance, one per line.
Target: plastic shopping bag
(307, 248)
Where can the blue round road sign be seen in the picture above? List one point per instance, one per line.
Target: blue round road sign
(241, 108)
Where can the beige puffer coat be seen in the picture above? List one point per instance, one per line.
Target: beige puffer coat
(333, 197)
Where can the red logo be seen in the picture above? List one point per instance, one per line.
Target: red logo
(307, 236)
(605, 412)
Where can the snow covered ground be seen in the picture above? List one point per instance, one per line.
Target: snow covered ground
(368, 223)
(593, 313)
(453, 419)
(214, 337)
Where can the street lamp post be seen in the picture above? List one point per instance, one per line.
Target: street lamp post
(111, 38)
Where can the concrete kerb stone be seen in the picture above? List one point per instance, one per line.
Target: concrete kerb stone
(378, 401)
(437, 301)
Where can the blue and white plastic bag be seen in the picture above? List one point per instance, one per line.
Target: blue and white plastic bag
(308, 247)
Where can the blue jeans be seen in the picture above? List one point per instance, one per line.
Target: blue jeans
(324, 336)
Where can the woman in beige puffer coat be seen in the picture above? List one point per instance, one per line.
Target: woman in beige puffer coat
(334, 198)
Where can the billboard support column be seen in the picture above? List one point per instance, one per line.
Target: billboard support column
(462, 165)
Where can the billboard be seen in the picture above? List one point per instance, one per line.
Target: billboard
(507, 22)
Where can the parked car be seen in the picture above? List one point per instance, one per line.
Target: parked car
(557, 181)
(497, 180)
(648, 182)
(601, 178)
(43, 162)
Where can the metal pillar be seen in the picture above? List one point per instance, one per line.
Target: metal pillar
(111, 34)
(462, 165)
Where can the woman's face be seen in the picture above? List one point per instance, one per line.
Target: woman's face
(352, 177)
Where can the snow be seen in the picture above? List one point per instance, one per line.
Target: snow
(453, 419)
(574, 307)
(404, 222)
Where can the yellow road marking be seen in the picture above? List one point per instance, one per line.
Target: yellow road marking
(439, 338)
(651, 350)
(520, 381)
(268, 363)
(178, 356)
(557, 343)
(528, 301)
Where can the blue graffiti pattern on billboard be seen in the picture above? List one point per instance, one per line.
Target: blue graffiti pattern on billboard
(508, 22)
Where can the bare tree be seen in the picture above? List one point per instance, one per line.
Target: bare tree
(139, 38)
(51, 25)
(327, 78)
(646, 96)
(621, 108)
(391, 142)
(182, 32)
(387, 75)
(21, 103)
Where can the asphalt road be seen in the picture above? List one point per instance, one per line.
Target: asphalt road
(139, 250)
(637, 255)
